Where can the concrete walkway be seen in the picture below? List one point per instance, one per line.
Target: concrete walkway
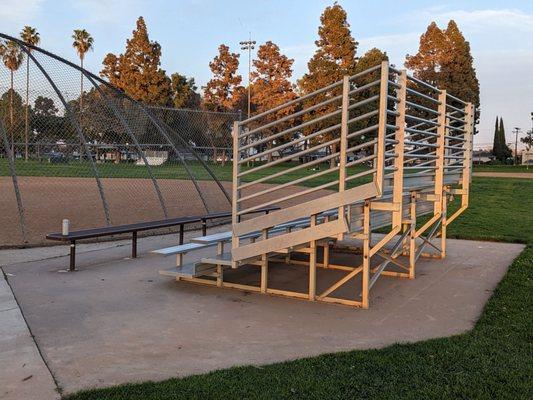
(23, 373)
(116, 321)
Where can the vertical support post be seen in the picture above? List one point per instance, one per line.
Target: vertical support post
(366, 255)
(235, 192)
(443, 227)
(264, 265)
(343, 141)
(397, 192)
(312, 263)
(382, 126)
(134, 244)
(467, 162)
(204, 227)
(439, 161)
(412, 236)
(220, 270)
(72, 255)
(181, 233)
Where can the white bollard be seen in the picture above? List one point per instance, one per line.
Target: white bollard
(66, 224)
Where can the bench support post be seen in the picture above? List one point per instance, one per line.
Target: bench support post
(72, 255)
(181, 233)
(134, 244)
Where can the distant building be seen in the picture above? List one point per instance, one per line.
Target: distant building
(482, 157)
(527, 157)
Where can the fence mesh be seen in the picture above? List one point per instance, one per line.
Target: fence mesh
(72, 146)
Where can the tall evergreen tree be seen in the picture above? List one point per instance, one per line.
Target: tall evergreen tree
(505, 151)
(335, 57)
(271, 85)
(138, 71)
(224, 91)
(30, 36)
(444, 60)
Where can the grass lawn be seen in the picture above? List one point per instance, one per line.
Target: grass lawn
(493, 361)
(502, 168)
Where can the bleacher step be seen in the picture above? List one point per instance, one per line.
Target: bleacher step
(190, 270)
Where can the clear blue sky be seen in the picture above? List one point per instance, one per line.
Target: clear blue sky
(189, 31)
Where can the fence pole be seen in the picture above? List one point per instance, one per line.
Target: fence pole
(135, 142)
(74, 123)
(13, 173)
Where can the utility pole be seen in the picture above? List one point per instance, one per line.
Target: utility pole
(516, 131)
(249, 45)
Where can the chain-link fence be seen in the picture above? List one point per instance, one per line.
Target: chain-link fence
(72, 146)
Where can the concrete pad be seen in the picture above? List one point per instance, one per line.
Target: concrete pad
(23, 374)
(118, 321)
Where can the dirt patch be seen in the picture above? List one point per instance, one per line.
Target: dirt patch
(49, 200)
(519, 175)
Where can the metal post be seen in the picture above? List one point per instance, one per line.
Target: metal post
(134, 244)
(382, 126)
(72, 256)
(181, 233)
(397, 193)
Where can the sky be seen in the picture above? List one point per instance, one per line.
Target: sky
(500, 34)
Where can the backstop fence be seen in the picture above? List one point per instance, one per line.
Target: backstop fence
(72, 146)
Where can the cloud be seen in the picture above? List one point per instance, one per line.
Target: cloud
(18, 12)
(482, 20)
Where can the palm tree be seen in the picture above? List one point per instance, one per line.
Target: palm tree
(30, 36)
(12, 57)
(83, 42)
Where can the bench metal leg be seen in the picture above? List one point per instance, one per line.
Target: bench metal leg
(72, 256)
(134, 244)
(204, 227)
(181, 233)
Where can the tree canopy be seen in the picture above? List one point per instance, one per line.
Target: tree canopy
(138, 71)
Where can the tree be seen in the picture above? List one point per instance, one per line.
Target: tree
(138, 71)
(505, 151)
(184, 93)
(83, 42)
(271, 86)
(528, 139)
(224, 91)
(335, 57)
(12, 57)
(444, 60)
(30, 36)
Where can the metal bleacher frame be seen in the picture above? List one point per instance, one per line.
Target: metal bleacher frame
(415, 150)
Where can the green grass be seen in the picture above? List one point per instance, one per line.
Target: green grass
(499, 210)
(77, 169)
(502, 168)
(493, 361)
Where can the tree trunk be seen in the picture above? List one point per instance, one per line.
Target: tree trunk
(333, 161)
(223, 157)
(81, 106)
(11, 118)
(27, 119)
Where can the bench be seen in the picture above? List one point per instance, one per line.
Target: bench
(74, 236)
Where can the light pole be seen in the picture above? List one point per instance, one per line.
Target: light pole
(249, 45)
(516, 131)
